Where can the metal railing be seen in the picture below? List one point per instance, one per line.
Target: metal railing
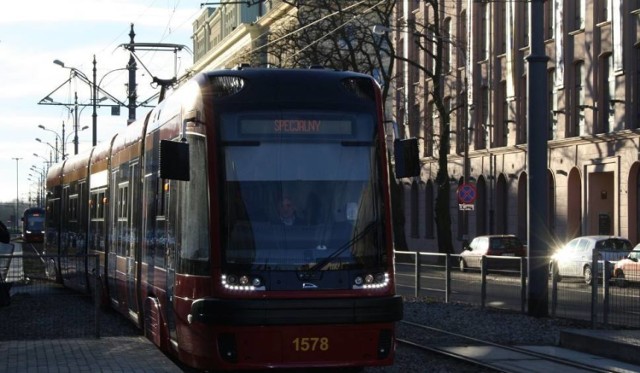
(438, 276)
(29, 281)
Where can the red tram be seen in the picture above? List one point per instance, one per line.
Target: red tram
(184, 209)
(33, 225)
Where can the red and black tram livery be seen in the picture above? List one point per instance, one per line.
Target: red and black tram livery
(33, 225)
(185, 212)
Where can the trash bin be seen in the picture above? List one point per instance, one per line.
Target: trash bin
(5, 296)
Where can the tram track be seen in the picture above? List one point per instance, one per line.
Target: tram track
(483, 353)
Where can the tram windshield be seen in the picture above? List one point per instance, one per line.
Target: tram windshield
(35, 223)
(301, 191)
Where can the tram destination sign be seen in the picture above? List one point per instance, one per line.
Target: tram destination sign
(306, 126)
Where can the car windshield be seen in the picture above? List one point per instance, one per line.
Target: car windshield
(613, 244)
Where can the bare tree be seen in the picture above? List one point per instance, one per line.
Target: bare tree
(339, 34)
(432, 39)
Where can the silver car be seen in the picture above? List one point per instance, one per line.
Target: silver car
(576, 257)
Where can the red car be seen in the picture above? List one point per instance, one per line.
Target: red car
(628, 269)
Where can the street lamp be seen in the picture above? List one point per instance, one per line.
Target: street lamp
(17, 195)
(58, 137)
(55, 149)
(40, 181)
(95, 88)
(85, 79)
(76, 136)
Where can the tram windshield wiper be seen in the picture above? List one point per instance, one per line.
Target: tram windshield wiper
(337, 252)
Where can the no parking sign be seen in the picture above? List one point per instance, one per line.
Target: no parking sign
(467, 194)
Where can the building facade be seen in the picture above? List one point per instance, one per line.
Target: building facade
(228, 35)
(593, 88)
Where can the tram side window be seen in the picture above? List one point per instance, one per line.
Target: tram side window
(73, 208)
(122, 233)
(123, 194)
(193, 204)
(97, 205)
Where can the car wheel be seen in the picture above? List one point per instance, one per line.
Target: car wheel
(619, 278)
(463, 265)
(588, 275)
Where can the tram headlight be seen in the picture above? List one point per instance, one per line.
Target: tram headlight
(241, 282)
(358, 280)
(371, 281)
(244, 280)
(231, 279)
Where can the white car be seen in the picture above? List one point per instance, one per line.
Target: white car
(576, 257)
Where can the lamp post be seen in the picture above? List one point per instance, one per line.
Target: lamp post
(17, 195)
(40, 175)
(84, 78)
(58, 137)
(55, 149)
(95, 89)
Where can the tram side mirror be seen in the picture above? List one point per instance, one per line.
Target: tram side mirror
(174, 160)
(406, 155)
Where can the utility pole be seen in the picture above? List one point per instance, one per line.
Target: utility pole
(94, 103)
(132, 66)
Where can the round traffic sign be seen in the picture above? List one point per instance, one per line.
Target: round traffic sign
(467, 193)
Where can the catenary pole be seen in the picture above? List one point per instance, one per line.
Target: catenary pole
(537, 196)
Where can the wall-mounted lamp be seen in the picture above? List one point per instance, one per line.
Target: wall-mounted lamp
(561, 172)
(556, 112)
(513, 176)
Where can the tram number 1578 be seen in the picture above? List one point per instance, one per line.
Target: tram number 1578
(310, 344)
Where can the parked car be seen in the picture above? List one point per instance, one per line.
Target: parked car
(575, 258)
(505, 245)
(628, 269)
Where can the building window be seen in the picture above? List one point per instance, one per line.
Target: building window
(462, 36)
(524, 114)
(484, 32)
(608, 84)
(502, 23)
(578, 99)
(447, 47)
(525, 23)
(549, 19)
(502, 137)
(579, 12)
(428, 131)
(486, 126)
(551, 104)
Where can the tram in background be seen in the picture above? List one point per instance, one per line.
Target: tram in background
(33, 225)
(181, 208)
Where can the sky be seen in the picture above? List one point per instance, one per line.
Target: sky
(35, 33)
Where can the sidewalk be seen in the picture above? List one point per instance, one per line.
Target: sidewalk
(107, 354)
